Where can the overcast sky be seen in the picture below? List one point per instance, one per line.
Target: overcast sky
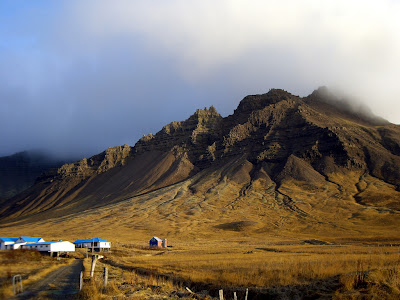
(79, 76)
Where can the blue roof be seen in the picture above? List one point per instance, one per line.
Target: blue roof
(30, 239)
(95, 240)
(43, 243)
(8, 239)
(156, 238)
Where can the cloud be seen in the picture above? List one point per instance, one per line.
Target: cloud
(352, 45)
(81, 76)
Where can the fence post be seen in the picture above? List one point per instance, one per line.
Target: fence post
(17, 279)
(81, 281)
(234, 296)
(105, 276)
(247, 293)
(94, 260)
(221, 294)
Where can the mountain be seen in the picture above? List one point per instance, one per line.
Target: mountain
(20, 170)
(278, 163)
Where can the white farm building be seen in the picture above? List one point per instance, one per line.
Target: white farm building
(55, 246)
(94, 244)
(11, 243)
(7, 242)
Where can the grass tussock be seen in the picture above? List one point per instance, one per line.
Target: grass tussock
(378, 284)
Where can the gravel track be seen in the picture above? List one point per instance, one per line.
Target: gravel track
(62, 283)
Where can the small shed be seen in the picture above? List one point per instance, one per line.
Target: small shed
(157, 242)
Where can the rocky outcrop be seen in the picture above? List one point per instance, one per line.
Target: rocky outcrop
(97, 164)
(195, 136)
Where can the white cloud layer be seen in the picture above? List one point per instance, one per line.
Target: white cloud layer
(351, 45)
(145, 63)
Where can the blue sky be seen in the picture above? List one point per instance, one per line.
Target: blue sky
(79, 76)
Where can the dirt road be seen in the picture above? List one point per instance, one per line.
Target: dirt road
(62, 283)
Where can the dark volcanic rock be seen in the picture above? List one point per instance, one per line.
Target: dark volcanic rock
(97, 164)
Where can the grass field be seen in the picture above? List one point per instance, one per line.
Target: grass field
(275, 267)
(282, 270)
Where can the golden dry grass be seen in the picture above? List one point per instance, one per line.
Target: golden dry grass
(124, 284)
(271, 270)
(261, 266)
(31, 265)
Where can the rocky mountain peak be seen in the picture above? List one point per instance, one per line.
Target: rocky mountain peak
(206, 113)
(146, 138)
(329, 102)
(256, 102)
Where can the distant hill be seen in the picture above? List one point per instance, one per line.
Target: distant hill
(20, 170)
(279, 162)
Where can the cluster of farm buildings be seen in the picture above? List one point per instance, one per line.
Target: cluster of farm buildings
(37, 243)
